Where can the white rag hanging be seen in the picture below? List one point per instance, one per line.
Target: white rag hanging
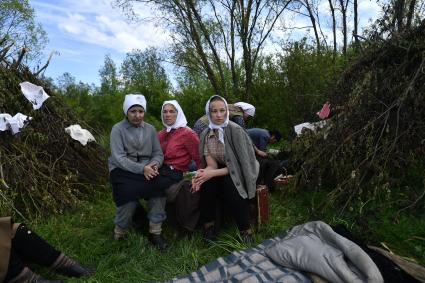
(14, 124)
(34, 93)
(312, 126)
(79, 134)
(4, 118)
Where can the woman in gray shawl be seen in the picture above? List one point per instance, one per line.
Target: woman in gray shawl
(230, 169)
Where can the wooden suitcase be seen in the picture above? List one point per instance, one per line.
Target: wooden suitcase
(262, 204)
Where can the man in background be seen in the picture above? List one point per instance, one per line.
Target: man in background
(263, 137)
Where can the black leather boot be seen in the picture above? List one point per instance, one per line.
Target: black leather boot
(209, 234)
(39, 279)
(28, 276)
(69, 267)
(158, 241)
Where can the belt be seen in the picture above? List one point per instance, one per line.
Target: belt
(138, 158)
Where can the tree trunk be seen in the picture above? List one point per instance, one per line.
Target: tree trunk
(244, 36)
(198, 45)
(410, 13)
(344, 26)
(331, 6)
(398, 14)
(356, 24)
(313, 23)
(206, 34)
(235, 79)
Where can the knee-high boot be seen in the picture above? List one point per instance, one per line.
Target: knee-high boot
(28, 276)
(69, 267)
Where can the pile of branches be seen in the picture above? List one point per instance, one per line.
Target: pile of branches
(373, 151)
(42, 169)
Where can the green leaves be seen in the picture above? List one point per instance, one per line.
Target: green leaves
(18, 27)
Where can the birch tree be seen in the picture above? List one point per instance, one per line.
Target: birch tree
(222, 39)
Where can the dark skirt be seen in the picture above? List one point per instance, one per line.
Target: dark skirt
(127, 186)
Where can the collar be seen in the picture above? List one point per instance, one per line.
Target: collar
(128, 125)
(211, 133)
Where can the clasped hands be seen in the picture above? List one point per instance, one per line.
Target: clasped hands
(150, 171)
(201, 176)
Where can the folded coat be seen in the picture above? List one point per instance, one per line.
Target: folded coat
(314, 247)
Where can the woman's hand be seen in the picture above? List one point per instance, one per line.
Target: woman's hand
(150, 171)
(201, 176)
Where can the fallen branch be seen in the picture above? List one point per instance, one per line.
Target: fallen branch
(16, 63)
(45, 65)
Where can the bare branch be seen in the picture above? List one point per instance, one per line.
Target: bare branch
(45, 65)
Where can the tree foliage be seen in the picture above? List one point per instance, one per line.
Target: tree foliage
(371, 154)
(109, 82)
(142, 72)
(18, 30)
(216, 38)
(290, 88)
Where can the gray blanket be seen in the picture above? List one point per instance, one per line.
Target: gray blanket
(250, 265)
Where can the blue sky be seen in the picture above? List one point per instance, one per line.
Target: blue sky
(82, 32)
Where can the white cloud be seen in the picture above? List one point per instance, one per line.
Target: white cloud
(83, 31)
(368, 8)
(97, 22)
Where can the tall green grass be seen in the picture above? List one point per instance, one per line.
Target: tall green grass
(86, 235)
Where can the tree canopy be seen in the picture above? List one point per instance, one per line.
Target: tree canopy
(19, 30)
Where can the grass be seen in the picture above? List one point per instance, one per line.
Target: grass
(86, 235)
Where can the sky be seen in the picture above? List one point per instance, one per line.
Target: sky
(82, 32)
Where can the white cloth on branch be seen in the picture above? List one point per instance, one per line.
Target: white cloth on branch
(312, 126)
(14, 124)
(79, 134)
(34, 93)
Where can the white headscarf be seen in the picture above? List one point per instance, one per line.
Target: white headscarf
(181, 121)
(215, 126)
(249, 109)
(133, 99)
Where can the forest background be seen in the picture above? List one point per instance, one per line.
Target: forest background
(221, 47)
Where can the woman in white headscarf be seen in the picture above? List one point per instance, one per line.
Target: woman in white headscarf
(180, 146)
(239, 113)
(179, 143)
(135, 158)
(229, 172)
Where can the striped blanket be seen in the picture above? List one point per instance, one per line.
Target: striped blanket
(249, 265)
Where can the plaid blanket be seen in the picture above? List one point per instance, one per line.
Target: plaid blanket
(250, 265)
